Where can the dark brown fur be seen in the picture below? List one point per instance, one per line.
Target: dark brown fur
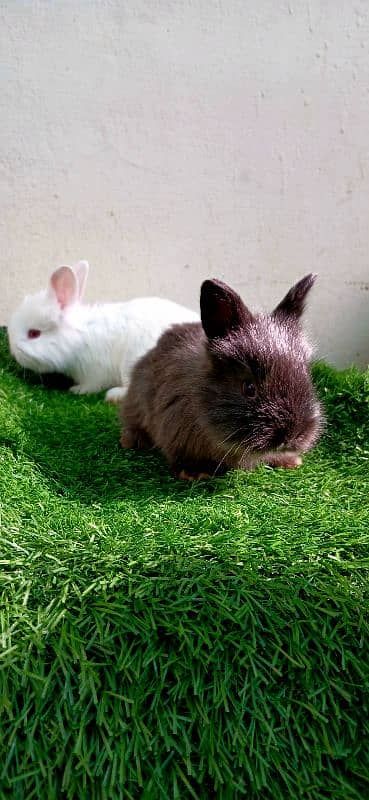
(186, 395)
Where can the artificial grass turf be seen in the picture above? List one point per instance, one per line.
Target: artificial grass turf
(166, 640)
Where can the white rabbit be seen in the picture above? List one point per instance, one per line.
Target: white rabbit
(95, 345)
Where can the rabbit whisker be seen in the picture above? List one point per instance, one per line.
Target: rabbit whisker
(233, 433)
(234, 447)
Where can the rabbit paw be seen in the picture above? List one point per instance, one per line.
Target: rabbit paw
(80, 389)
(116, 394)
(285, 460)
(135, 438)
(184, 475)
(197, 470)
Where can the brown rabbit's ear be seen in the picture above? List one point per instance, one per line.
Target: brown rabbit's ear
(293, 303)
(222, 309)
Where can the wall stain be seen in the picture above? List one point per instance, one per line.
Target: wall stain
(362, 285)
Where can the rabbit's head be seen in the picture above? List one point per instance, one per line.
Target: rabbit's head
(258, 395)
(42, 329)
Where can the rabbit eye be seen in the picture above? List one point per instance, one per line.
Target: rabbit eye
(33, 333)
(248, 389)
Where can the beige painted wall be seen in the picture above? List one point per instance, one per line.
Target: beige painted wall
(170, 141)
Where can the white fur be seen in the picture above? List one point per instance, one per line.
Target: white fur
(95, 345)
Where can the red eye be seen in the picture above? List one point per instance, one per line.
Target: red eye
(33, 333)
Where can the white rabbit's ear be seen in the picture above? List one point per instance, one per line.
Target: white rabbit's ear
(64, 286)
(81, 269)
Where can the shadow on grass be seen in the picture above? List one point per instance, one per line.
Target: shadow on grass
(74, 441)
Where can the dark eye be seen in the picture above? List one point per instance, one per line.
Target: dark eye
(248, 389)
(33, 333)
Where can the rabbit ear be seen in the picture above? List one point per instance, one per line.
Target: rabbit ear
(81, 270)
(222, 309)
(293, 303)
(64, 286)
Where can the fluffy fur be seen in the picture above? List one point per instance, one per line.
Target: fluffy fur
(95, 345)
(230, 392)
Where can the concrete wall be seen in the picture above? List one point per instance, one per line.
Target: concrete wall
(171, 141)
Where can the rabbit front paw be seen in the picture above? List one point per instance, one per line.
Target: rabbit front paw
(284, 460)
(116, 394)
(80, 389)
(135, 438)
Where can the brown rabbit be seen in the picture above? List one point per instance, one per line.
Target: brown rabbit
(231, 391)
